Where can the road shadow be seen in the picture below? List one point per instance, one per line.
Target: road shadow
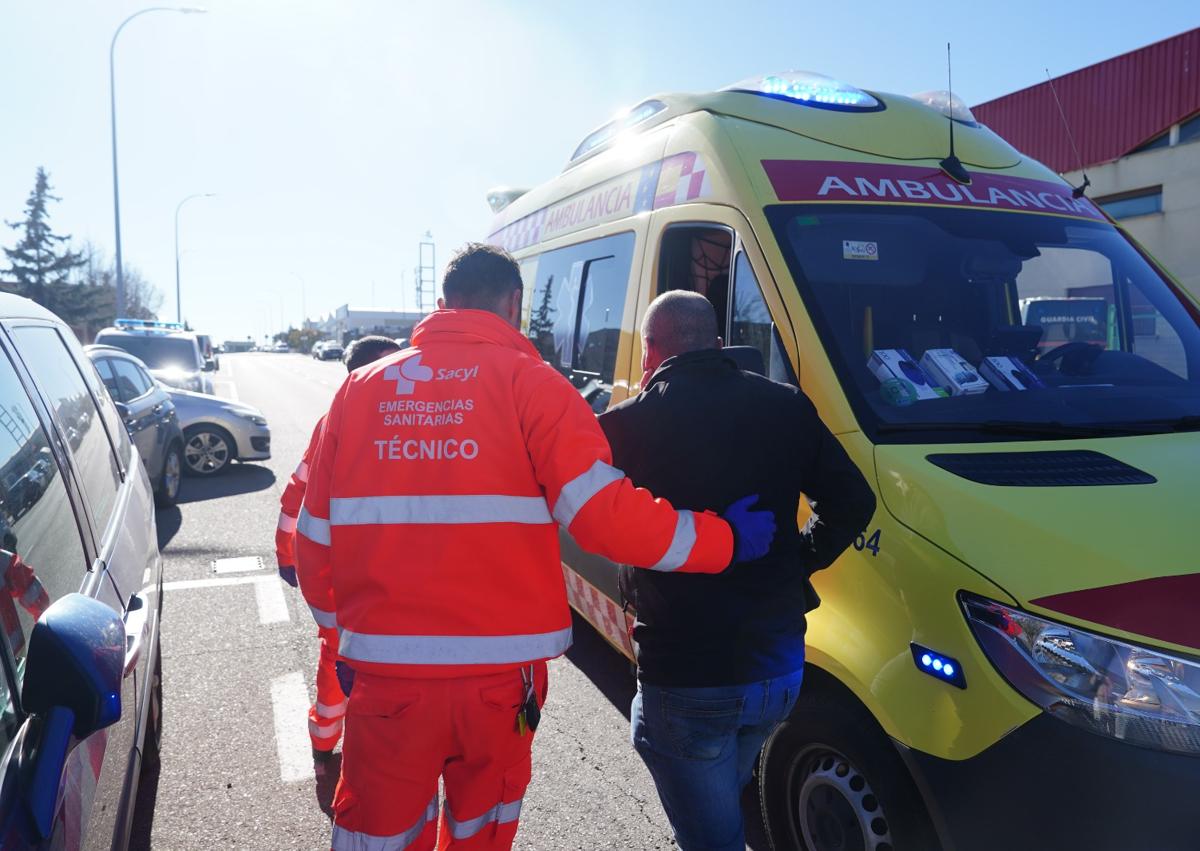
(143, 810)
(237, 480)
(608, 670)
(169, 521)
(611, 673)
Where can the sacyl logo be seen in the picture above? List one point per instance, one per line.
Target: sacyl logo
(407, 374)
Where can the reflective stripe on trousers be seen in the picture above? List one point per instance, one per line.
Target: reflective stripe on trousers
(350, 840)
(499, 814)
(453, 649)
(437, 509)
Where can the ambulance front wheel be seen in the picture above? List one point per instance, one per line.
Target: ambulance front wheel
(829, 780)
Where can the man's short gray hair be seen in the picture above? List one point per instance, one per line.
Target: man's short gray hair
(681, 321)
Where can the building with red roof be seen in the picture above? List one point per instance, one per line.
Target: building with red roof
(1136, 122)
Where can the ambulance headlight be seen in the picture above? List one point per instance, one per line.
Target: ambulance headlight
(1139, 695)
(811, 89)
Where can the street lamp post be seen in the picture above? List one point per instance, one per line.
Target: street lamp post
(112, 99)
(178, 207)
(303, 306)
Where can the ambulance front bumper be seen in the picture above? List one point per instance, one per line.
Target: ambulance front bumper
(1048, 784)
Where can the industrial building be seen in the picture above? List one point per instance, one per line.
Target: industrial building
(347, 323)
(1136, 121)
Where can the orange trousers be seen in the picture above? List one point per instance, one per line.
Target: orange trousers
(402, 735)
(325, 718)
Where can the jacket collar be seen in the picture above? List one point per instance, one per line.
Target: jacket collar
(702, 361)
(470, 326)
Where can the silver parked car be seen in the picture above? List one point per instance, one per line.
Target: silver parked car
(81, 681)
(219, 431)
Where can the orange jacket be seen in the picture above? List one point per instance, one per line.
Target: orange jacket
(22, 585)
(433, 497)
(285, 530)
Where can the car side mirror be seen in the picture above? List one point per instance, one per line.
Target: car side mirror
(72, 689)
(210, 366)
(122, 410)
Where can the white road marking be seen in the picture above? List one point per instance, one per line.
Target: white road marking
(228, 370)
(241, 564)
(229, 390)
(188, 584)
(272, 605)
(289, 702)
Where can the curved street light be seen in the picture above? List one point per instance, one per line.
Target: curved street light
(112, 96)
(178, 207)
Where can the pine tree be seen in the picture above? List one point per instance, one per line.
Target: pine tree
(541, 323)
(40, 263)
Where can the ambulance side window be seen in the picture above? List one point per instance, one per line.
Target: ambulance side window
(750, 322)
(695, 257)
(575, 313)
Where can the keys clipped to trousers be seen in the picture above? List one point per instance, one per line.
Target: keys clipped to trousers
(530, 714)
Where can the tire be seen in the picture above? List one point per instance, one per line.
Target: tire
(208, 450)
(152, 744)
(167, 492)
(831, 780)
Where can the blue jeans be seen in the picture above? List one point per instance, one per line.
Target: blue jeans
(700, 745)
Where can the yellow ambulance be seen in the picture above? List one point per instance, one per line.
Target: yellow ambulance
(1009, 656)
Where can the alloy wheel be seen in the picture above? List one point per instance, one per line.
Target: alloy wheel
(206, 453)
(172, 473)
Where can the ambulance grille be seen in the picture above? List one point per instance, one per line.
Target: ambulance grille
(1069, 468)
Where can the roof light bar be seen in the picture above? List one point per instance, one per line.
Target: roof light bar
(810, 89)
(148, 324)
(626, 121)
(948, 104)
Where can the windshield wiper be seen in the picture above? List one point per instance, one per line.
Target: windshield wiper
(1053, 429)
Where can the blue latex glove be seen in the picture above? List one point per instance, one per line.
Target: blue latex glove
(753, 531)
(288, 575)
(345, 675)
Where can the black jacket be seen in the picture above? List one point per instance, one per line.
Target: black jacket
(703, 434)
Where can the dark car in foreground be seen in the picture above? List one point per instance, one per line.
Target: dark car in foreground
(80, 683)
(149, 413)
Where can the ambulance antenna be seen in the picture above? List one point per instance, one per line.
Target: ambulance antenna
(1081, 189)
(952, 165)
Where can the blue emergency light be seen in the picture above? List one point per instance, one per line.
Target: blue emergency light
(938, 665)
(810, 89)
(147, 325)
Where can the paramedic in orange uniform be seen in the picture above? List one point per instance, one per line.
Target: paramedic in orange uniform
(430, 531)
(324, 716)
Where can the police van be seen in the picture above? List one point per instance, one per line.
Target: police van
(1010, 653)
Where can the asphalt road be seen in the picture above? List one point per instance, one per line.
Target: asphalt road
(239, 656)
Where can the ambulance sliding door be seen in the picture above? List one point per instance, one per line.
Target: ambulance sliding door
(576, 312)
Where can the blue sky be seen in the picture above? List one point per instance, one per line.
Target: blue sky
(336, 132)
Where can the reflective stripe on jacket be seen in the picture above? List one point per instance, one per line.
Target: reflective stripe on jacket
(433, 498)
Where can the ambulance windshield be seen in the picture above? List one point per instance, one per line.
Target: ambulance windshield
(987, 324)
